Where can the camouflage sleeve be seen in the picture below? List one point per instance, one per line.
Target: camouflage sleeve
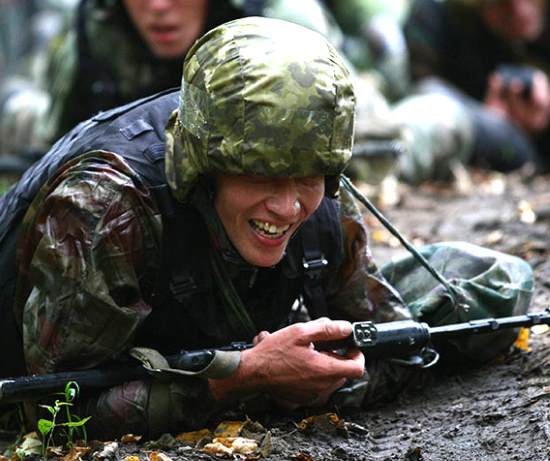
(89, 243)
(359, 291)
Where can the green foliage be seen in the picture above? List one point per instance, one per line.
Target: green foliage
(73, 424)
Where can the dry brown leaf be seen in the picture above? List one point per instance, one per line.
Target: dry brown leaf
(328, 422)
(218, 449)
(31, 445)
(55, 451)
(130, 438)
(159, 456)
(131, 458)
(194, 437)
(4, 458)
(75, 453)
(231, 446)
(229, 428)
(522, 341)
(379, 235)
(302, 457)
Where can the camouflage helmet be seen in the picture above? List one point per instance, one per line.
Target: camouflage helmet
(263, 97)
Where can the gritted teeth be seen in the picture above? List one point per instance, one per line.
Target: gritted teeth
(269, 228)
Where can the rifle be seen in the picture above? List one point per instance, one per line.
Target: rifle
(373, 159)
(404, 341)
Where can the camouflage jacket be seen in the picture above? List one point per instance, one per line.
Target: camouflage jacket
(88, 249)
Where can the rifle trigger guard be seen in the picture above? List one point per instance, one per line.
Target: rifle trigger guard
(429, 357)
(426, 358)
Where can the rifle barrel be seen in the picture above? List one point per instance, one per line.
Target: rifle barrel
(489, 325)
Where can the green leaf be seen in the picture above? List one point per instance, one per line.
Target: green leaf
(64, 404)
(78, 423)
(45, 426)
(72, 389)
(49, 408)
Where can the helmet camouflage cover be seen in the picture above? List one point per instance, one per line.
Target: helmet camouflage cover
(264, 97)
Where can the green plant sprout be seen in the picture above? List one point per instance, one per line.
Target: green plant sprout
(73, 424)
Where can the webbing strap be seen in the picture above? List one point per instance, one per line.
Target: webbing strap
(313, 263)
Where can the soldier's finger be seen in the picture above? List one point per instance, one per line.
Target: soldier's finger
(324, 330)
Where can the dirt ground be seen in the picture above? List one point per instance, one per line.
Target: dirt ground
(498, 412)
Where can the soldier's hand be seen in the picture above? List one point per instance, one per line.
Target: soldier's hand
(530, 112)
(286, 365)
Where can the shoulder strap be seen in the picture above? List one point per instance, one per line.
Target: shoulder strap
(322, 244)
(180, 246)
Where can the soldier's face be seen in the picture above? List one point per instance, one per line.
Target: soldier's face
(260, 213)
(515, 19)
(169, 27)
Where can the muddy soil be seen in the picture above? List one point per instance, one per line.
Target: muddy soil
(500, 411)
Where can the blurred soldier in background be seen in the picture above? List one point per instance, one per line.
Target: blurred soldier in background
(26, 28)
(116, 51)
(374, 39)
(492, 58)
(421, 137)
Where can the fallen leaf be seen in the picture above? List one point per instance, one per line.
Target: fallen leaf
(55, 451)
(31, 445)
(109, 450)
(218, 449)
(379, 235)
(526, 213)
(131, 458)
(231, 446)
(229, 428)
(194, 437)
(328, 422)
(266, 446)
(302, 457)
(522, 341)
(75, 453)
(494, 237)
(130, 438)
(540, 329)
(159, 456)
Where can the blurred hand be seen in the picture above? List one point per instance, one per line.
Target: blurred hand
(286, 365)
(531, 113)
